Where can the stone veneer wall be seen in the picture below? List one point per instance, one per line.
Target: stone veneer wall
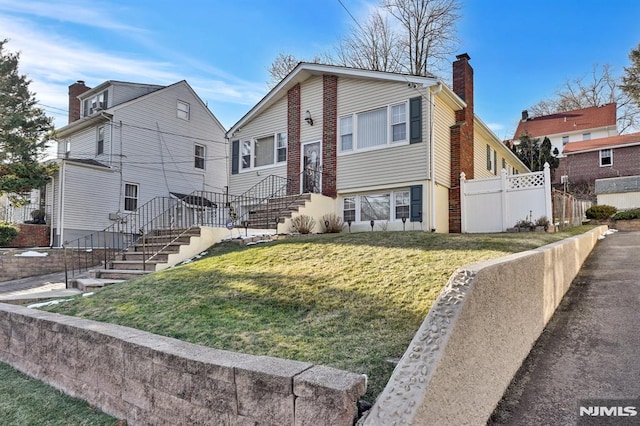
(478, 332)
(151, 380)
(14, 267)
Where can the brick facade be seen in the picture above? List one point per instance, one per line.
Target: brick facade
(329, 134)
(584, 167)
(75, 90)
(31, 236)
(461, 138)
(293, 138)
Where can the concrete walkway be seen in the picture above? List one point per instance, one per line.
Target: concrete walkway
(590, 348)
(35, 288)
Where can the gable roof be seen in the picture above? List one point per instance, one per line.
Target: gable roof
(602, 143)
(107, 114)
(568, 121)
(305, 70)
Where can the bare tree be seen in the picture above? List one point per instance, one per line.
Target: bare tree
(631, 77)
(373, 45)
(428, 29)
(598, 88)
(284, 63)
(281, 66)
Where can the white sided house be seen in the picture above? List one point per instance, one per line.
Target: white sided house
(383, 151)
(126, 144)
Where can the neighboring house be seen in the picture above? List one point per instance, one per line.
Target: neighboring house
(571, 126)
(620, 192)
(378, 146)
(125, 144)
(586, 161)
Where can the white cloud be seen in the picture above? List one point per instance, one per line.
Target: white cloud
(52, 60)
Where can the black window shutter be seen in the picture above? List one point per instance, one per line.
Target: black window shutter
(235, 157)
(415, 193)
(415, 119)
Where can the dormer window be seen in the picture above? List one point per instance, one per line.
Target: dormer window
(95, 103)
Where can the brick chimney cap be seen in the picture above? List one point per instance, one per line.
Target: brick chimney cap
(463, 56)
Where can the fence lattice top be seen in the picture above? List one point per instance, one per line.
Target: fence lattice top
(529, 180)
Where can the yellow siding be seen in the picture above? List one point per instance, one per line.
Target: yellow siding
(386, 166)
(443, 118)
(267, 123)
(311, 100)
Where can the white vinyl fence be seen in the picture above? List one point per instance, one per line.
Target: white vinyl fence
(495, 204)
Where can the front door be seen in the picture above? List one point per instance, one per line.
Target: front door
(311, 167)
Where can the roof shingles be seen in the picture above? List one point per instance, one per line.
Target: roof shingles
(568, 122)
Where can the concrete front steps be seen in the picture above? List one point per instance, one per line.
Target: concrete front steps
(162, 249)
(264, 216)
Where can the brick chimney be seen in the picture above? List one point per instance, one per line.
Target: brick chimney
(461, 138)
(75, 90)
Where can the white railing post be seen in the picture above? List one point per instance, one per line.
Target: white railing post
(547, 192)
(463, 216)
(504, 208)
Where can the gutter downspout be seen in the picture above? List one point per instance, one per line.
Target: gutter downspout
(432, 160)
(61, 207)
(53, 199)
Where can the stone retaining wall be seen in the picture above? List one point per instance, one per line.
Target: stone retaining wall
(14, 267)
(154, 380)
(474, 339)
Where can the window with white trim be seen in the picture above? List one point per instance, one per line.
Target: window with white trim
(130, 196)
(95, 103)
(246, 154)
(349, 209)
(183, 110)
(346, 133)
(398, 122)
(402, 204)
(281, 149)
(606, 157)
(200, 155)
(264, 151)
(385, 206)
(100, 141)
(376, 128)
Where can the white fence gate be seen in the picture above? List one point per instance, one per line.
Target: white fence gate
(495, 204)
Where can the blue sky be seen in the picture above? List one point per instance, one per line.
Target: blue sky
(521, 52)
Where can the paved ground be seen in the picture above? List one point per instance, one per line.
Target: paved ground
(590, 348)
(38, 287)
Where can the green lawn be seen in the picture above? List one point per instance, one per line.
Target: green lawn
(351, 301)
(25, 401)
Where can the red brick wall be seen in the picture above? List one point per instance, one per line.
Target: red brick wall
(329, 134)
(31, 236)
(585, 167)
(293, 138)
(76, 89)
(461, 138)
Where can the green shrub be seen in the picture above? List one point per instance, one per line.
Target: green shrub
(7, 233)
(601, 212)
(627, 214)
